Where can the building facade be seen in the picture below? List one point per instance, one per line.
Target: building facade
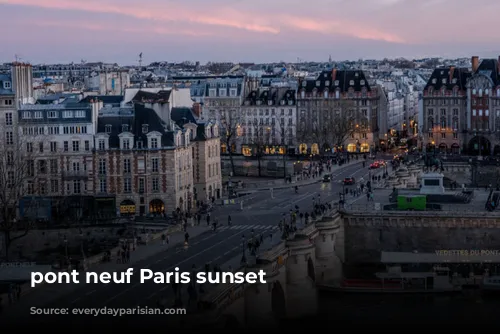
(207, 173)
(144, 164)
(335, 97)
(268, 119)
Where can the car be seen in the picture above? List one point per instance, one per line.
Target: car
(381, 163)
(327, 178)
(349, 181)
(374, 165)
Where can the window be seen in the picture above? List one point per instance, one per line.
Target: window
(67, 114)
(8, 118)
(29, 147)
(141, 185)
(232, 92)
(455, 135)
(38, 115)
(26, 115)
(126, 166)
(53, 166)
(443, 135)
(80, 113)
(127, 185)
(154, 165)
(126, 144)
(52, 114)
(103, 185)
(42, 166)
(139, 144)
(54, 186)
(66, 146)
(108, 128)
(10, 158)
(7, 85)
(102, 166)
(155, 184)
(30, 189)
(76, 166)
(40, 147)
(77, 187)
(53, 130)
(31, 168)
(124, 127)
(76, 146)
(87, 145)
(154, 143)
(102, 145)
(145, 128)
(9, 137)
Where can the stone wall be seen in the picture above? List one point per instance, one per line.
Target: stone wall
(363, 244)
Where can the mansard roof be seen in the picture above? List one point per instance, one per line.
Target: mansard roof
(440, 77)
(337, 79)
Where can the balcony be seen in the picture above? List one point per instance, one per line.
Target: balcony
(76, 175)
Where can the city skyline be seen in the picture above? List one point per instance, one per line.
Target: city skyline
(54, 31)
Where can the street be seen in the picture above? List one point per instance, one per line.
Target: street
(261, 214)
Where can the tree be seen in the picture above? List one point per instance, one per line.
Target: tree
(259, 137)
(230, 131)
(21, 175)
(285, 137)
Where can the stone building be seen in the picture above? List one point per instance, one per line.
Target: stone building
(268, 120)
(207, 175)
(143, 161)
(337, 96)
(462, 109)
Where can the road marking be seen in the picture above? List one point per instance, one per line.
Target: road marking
(195, 243)
(172, 267)
(218, 257)
(229, 251)
(77, 299)
(90, 292)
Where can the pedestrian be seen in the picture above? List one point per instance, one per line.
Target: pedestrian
(168, 239)
(186, 238)
(163, 238)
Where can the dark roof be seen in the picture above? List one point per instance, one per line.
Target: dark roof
(489, 67)
(460, 75)
(182, 115)
(200, 132)
(161, 97)
(275, 94)
(106, 99)
(327, 80)
(135, 122)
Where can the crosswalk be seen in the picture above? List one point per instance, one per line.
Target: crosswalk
(248, 227)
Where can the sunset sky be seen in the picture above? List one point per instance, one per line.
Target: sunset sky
(50, 31)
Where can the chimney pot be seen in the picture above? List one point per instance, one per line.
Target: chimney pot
(475, 63)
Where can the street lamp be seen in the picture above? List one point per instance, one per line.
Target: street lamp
(243, 257)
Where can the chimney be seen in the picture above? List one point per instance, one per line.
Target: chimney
(334, 74)
(197, 109)
(452, 69)
(475, 63)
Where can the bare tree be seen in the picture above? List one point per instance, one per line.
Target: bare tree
(21, 176)
(341, 126)
(259, 137)
(230, 127)
(284, 138)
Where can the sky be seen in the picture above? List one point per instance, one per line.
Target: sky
(63, 31)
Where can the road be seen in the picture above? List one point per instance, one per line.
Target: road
(261, 213)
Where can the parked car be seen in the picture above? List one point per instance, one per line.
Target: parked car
(327, 178)
(374, 165)
(349, 181)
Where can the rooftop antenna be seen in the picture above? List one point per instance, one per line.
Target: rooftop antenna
(140, 60)
(18, 58)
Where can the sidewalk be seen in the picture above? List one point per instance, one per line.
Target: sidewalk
(37, 297)
(280, 184)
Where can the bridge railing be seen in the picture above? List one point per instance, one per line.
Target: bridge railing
(446, 210)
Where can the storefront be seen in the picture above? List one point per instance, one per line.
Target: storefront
(127, 208)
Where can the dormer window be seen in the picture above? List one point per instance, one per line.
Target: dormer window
(304, 83)
(145, 128)
(444, 81)
(108, 128)
(259, 102)
(282, 102)
(327, 83)
(125, 128)
(140, 144)
(351, 83)
(153, 142)
(336, 82)
(434, 81)
(318, 83)
(270, 102)
(126, 144)
(356, 74)
(362, 82)
(454, 80)
(7, 85)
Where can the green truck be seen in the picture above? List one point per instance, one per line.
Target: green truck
(412, 202)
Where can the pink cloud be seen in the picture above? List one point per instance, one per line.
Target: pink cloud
(92, 26)
(146, 11)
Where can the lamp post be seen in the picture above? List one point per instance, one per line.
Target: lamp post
(65, 240)
(243, 257)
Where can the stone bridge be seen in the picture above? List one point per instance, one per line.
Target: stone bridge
(293, 269)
